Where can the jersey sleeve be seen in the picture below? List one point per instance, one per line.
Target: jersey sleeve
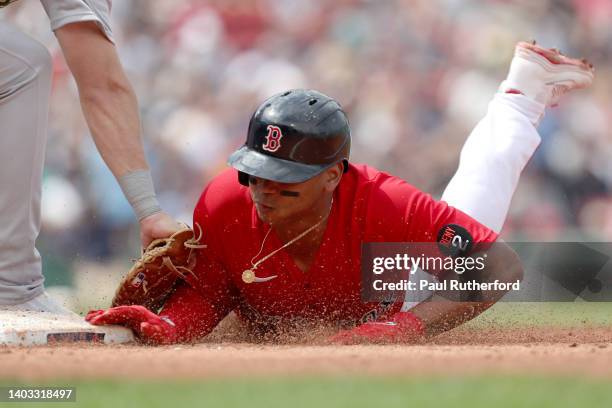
(63, 12)
(434, 228)
(199, 304)
(456, 233)
(405, 214)
(193, 315)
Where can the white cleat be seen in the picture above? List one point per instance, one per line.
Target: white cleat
(545, 75)
(41, 303)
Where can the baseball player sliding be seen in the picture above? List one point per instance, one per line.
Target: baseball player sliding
(110, 108)
(284, 228)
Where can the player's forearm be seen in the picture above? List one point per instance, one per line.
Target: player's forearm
(111, 111)
(192, 315)
(107, 99)
(440, 315)
(447, 310)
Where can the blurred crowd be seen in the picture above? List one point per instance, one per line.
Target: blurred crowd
(415, 76)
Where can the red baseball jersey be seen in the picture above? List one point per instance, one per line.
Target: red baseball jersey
(369, 206)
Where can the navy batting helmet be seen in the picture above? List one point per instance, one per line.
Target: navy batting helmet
(292, 137)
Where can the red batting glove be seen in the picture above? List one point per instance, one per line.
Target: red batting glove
(146, 325)
(403, 327)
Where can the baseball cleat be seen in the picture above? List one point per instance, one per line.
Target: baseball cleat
(41, 303)
(545, 74)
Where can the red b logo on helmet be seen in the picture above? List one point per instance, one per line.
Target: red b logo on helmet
(273, 139)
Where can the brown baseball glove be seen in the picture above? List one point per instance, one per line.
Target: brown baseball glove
(154, 276)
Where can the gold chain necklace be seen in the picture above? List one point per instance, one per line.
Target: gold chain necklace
(249, 276)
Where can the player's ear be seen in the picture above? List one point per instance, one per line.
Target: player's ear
(332, 176)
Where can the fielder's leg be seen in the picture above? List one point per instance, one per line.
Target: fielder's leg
(25, 86)
(27, 315)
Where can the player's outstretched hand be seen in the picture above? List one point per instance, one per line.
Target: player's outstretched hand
(158, 225)
(404, 327)
(146, 325)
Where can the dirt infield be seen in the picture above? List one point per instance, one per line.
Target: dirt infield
(585, 351)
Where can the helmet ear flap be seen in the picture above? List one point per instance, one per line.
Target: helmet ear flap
(243, 178)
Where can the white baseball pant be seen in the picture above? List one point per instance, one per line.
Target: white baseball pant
(25, 88)
(490, 166)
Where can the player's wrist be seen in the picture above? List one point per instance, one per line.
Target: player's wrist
(138, 188)
(159, 330)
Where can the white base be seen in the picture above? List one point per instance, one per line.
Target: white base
(25, 328)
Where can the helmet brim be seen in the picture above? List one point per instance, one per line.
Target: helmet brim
(260, 165)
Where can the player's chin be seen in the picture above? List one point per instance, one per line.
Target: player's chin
(267, 214)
